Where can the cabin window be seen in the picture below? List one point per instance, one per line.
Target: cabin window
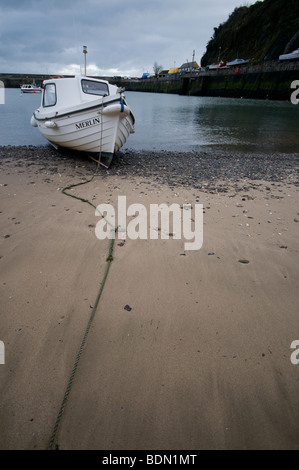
(95, 88)
(49, 95)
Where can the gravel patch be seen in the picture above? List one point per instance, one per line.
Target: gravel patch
(205, 170)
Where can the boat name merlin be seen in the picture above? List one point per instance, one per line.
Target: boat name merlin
(89, 123)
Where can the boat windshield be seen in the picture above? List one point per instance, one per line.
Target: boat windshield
(95, 88)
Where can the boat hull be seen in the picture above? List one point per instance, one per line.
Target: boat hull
(31, 90)
(292, 56)
(97, 130)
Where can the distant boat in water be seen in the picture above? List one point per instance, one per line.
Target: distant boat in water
(31, 88)
(85, 114)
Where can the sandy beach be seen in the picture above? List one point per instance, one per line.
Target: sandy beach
(188, 350)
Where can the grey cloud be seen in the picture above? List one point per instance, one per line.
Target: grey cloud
(120, 35)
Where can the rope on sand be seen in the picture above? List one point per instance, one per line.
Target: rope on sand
(109, 260)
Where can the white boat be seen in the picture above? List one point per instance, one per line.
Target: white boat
(220, 65)
(291, 56)
(31, 88)
(232, 63)
(84, 114)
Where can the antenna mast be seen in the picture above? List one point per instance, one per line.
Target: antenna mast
(85, 52)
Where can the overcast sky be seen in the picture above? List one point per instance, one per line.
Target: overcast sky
(123, 37)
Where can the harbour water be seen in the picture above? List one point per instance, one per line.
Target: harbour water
(177, 123)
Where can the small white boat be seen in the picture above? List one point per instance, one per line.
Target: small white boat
(84, 114)
(232, 63)
(31, 88)
(220, 65)
(291, 56)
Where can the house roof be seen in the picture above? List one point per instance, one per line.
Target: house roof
(188, 65)
(173, 70)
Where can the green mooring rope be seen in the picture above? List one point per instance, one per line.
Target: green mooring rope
(109, 260)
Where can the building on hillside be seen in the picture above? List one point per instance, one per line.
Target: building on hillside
(188, 67)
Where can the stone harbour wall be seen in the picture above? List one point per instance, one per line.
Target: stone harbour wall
(269, 80)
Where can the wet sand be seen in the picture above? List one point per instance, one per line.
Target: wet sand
(188, 350)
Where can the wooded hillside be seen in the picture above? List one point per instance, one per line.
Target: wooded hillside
(258, 32)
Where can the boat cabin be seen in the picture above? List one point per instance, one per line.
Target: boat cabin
(65, 92)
